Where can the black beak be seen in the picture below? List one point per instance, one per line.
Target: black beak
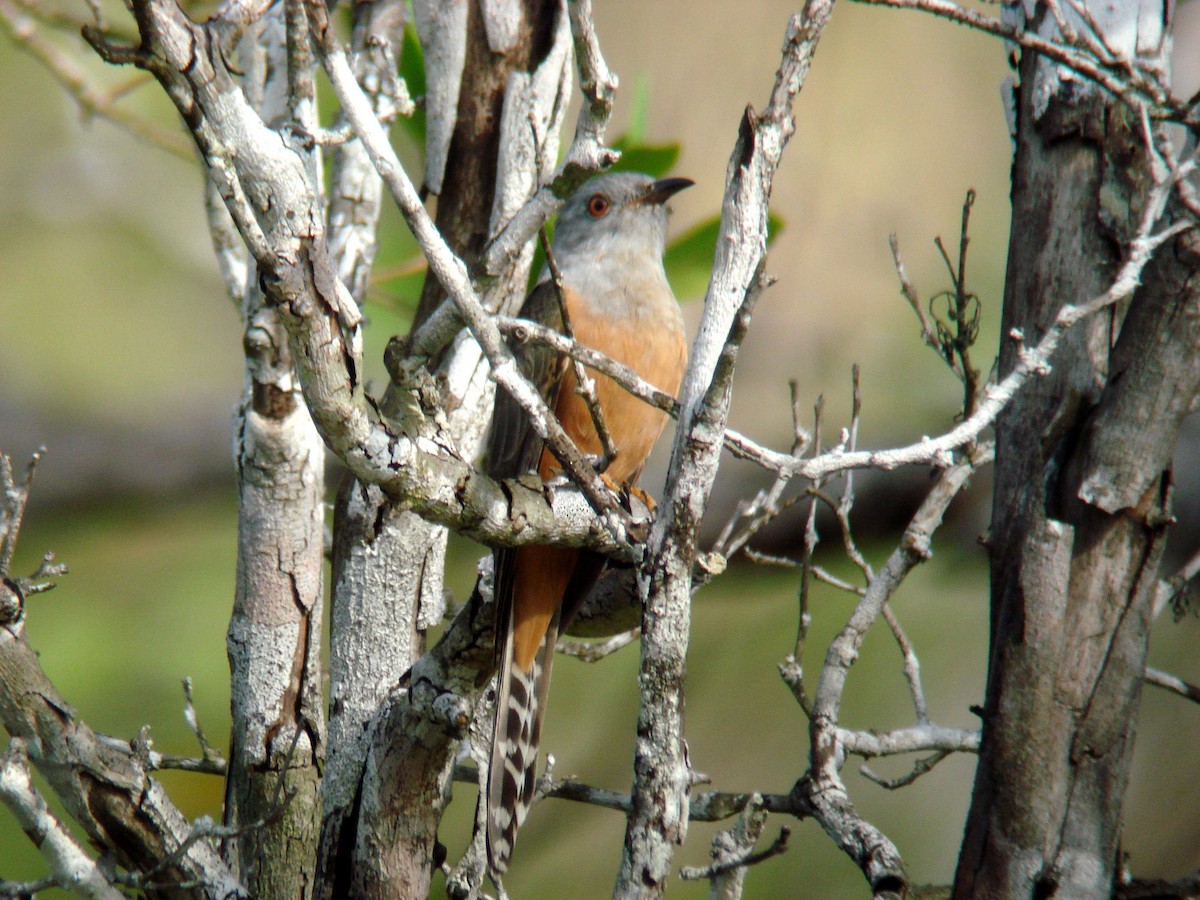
(664, 190)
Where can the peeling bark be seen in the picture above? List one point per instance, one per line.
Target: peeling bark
(277, 747)
(1082, 494)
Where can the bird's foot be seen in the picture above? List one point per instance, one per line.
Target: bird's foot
(641, 496)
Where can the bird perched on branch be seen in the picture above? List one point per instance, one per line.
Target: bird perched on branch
(608, 247)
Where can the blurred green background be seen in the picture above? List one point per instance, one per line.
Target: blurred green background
(121, 354)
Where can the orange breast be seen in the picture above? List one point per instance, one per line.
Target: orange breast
(651, 342)
(656, 350)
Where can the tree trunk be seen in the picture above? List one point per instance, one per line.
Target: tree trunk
(274, 640)
(388, 563)
(1082, 489)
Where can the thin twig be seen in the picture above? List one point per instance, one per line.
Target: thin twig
(1133, 83)
(912, 665)
(594, 651)
(920, 767)
(1173, 683)
(584, 383)
(696, 873)
(93, 102)
(22, 890)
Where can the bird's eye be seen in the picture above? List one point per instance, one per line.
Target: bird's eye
(597, 206)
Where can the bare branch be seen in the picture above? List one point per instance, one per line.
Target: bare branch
(109, 792)
(585, 384)
(912, 665)
(72, 868)
(717, 870)
(657, 821)
(1173, 683)
(14, 497)
(920, 767)
(594, 651)
(193, 721)
(74, 80)
(920, 738)
(153, 760)
(1133, 82)
(22, 890)
(1171, 589)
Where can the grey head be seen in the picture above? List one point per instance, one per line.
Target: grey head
(621, 216)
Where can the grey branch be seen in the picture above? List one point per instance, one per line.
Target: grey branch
(107, 790)
(1128, 80)
(1173, 683)
(733, 852)
(594, 651)
(72, 868)
(658, 818)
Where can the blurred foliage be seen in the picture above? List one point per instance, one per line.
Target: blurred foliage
(112, 312)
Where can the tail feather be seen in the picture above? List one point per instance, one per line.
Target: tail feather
(516, 737)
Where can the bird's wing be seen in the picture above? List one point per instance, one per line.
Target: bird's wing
(515, 448)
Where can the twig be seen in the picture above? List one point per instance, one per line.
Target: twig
(1173, 683)
(909, 292)
(189, 714)
(585, 384)
(1134, 84)
(791, 669)
(920, 767)
(594, 651)
(913, 739)
(733, 852)
(770, 559)
(37, 582)
(693, 873)
(824, 575)
(15, 498)
(70, 866)
(23, 30)
(912, 665)
(1173, 588)
(153, 760)
(23, 890)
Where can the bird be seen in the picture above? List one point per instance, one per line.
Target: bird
(608, 246)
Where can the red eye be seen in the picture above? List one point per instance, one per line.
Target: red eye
(597, 205)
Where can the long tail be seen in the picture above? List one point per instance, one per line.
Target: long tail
(516, 737)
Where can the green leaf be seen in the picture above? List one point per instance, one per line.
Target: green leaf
(689, 258)
(412, 69)
(655, 161)
(639, 111)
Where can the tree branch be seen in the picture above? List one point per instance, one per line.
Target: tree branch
(72, 868)
(658, 820)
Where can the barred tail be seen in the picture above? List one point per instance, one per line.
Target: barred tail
(516, 737)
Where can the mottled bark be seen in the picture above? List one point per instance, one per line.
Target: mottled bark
(388, 562)
(277, 730)
(1082, 489)
(373, 633)
(107, 791)
(658, 819)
